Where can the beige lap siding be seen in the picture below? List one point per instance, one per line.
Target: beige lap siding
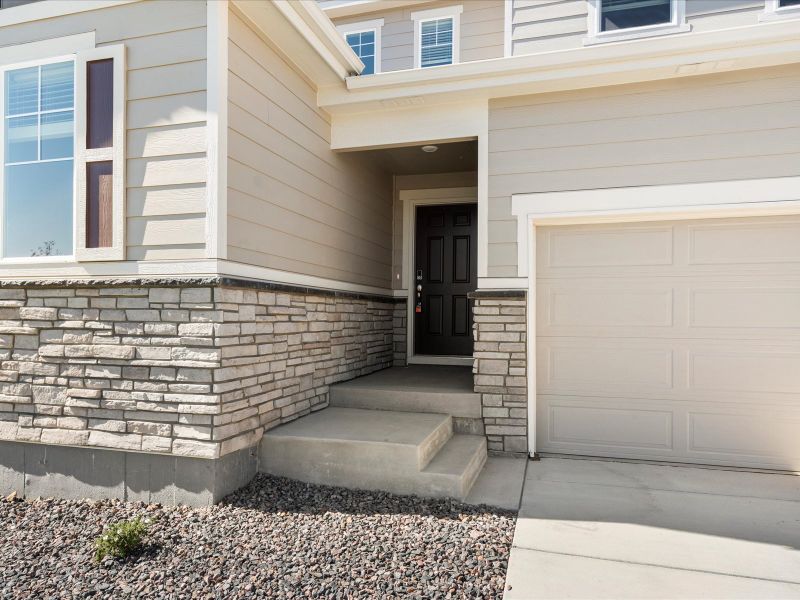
(166, 133)
(293, 204)
(482, 23)
(742, 125)
(194, 371)
(547, 25)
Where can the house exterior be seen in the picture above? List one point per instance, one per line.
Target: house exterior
(209, 216)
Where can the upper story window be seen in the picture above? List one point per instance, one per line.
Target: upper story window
(617, 20)
(436, 36)
(365, 40)
(38, 183)
(776, 10)
(624, 14)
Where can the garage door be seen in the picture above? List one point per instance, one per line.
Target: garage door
(673, 341)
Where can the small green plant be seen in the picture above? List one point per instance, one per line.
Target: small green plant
(120, 539)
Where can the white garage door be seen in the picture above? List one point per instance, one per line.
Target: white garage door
(673, 341)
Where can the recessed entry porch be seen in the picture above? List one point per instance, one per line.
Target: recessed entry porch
(434, 245)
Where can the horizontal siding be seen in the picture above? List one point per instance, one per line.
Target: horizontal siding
(738, 125)
(547, 25)
(166, 136)
(294, 204)
(482, 23)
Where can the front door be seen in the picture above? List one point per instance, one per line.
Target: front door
(445, 271)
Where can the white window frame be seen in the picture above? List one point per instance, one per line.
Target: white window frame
(676, 24)
(434, 14)
(773, 11)
(116, 154)
(38, 62)
(375, 26)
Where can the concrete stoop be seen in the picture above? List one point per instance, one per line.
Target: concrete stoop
(395, 451)
(418, 388)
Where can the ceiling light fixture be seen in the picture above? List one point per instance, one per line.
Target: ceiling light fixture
(430, 148)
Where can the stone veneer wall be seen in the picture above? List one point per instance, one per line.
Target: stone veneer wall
(500, 368)
(195, 368)
(400, 332)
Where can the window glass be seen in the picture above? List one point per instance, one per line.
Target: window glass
(363, 44)
(624, 14)
(436, 42)
(783, 3)
(39, 128)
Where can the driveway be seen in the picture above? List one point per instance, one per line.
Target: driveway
(604, 529)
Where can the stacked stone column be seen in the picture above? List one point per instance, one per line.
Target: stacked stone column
(500, 330)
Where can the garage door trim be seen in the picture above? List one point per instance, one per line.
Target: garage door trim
(726, 199)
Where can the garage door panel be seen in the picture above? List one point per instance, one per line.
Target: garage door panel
(736, 306)
(578, 366)
(610, 246)
(761, 372)
(618, 423)
(751, 436)
(731, 241)
(707, 338)
(630, 306)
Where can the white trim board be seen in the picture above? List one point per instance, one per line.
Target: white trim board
(411, 199)
(216, 237)
(725, 199)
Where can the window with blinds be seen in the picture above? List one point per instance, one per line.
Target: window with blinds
(436, 42)
(38, 160)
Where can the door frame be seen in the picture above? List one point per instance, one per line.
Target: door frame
(715, 200)
(411, 199)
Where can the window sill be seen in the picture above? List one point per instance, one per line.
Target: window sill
(636, 33)
(780, 14)
(37, 260)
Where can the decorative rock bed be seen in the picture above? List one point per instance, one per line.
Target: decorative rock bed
(273, 538)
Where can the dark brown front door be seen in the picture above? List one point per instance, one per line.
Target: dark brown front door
(446, 270)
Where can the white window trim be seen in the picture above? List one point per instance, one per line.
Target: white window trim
(773, 11)
(374, 25)
(677, 24)
(434, 14)
(30, 259)
(116, 154)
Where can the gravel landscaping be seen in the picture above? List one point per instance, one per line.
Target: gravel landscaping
(276, 538)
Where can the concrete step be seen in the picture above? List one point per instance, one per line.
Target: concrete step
(399, 452)
(430, 389)
(454, 470)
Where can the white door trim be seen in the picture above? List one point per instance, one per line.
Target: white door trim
(411, 199)
(725, 199)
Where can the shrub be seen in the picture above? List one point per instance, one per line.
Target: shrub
(120, 539)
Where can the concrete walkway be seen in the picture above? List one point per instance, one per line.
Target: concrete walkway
(603, 529)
